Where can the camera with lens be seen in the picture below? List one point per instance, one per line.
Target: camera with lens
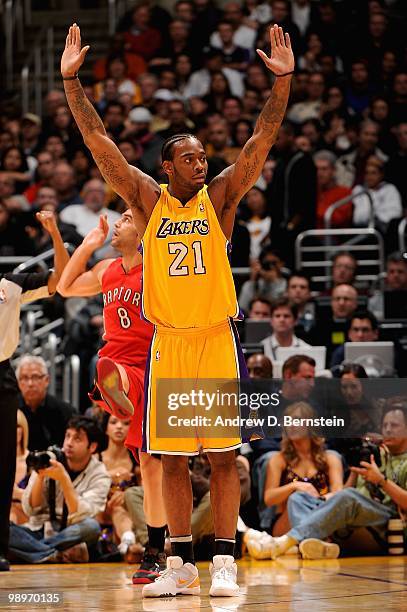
(362, 452)
(39, 460)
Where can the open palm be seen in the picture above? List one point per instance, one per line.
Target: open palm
(73, 56)
(96, 238)
(282, 57)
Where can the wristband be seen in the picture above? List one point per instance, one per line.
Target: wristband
(71, 78)
(285, 73)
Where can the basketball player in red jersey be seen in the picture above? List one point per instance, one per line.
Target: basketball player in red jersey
(122, 360)
(188, 294)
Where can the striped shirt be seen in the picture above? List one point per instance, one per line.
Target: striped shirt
(17, 289)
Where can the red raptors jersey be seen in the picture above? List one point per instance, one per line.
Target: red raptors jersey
(127, 336)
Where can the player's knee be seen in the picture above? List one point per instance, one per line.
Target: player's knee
(222, 461)
(174, 464)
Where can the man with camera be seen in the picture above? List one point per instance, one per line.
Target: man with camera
(266, 279)
(65, 492)
(372, 495)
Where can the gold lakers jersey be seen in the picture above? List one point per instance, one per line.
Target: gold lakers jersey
(187, 280)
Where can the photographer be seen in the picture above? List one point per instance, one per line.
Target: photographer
(61, 516)
(266, 279)
(373, 496)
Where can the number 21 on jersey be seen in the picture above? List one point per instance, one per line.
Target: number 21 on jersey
(180, 250)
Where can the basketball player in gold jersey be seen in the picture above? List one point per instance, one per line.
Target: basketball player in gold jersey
(188, 294)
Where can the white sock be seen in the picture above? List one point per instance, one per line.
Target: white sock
(128, 538)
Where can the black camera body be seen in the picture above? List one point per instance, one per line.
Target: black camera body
(39, 460)
(362, 452)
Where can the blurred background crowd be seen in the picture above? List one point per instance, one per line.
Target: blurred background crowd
(191, 66)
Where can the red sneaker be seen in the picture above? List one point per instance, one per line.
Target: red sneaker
(152, 563)
(109, 383)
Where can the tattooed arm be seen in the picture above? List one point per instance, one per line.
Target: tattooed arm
(139, 190)
(227, 189)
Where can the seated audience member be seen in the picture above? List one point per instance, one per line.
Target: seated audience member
(47, 416)
(259, 309)
(123, 470)
(259, 366)
(259, 222)
(372, 495)
(332, 329)
(283, 320)
(363, 328)
(328, 192)
(17, 515)
(396, 280)
(47, 200)
(118, 70)
(298, 380)
(350, 167)
(64, 183)
(14, 240)
(86, 216)
(302, 464)
(63, 500)
(266, 279)
(43, 175)
(141, 38)
(344, 268)
(359, 408)
(387, 204)
(298, 292)
(14, 165)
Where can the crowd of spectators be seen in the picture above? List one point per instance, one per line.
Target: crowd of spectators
(195, 70)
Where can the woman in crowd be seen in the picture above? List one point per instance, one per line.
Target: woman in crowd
(14, 164)
(17, 515)
(124, 472)
(302, 465)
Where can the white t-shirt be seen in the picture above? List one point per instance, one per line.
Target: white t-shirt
(259, 229)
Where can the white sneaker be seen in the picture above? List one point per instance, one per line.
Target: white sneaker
(312, 548)
(178, 579)
(223, 571)
(258, 544)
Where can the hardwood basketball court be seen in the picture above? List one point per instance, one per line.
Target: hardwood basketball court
(363, 583)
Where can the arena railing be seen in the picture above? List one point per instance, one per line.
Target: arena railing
(33, 66)
(16, 15)
(116, 10)
(402, 235)
(316, 259)
(343, 201)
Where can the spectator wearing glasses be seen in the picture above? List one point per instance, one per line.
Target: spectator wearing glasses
(344, 267)
(47, 416)
(363, 328)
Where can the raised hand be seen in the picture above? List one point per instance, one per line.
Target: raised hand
(48, 221)
(97, 237)
(282, 57)
(73, 56)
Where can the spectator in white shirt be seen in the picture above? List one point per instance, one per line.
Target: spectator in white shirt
(200, 81)
(86, 216)
(259, 222)
(301, 14)
(386, 197)
(283, 319)
(244, 36)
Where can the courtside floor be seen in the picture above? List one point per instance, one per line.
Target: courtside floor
(369, 583)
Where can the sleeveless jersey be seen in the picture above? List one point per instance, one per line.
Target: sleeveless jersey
(126, 335)
(187, 280)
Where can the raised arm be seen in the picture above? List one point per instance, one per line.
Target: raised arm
(61, 255)
(139, 190)
(227, 189)
(76, 281)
